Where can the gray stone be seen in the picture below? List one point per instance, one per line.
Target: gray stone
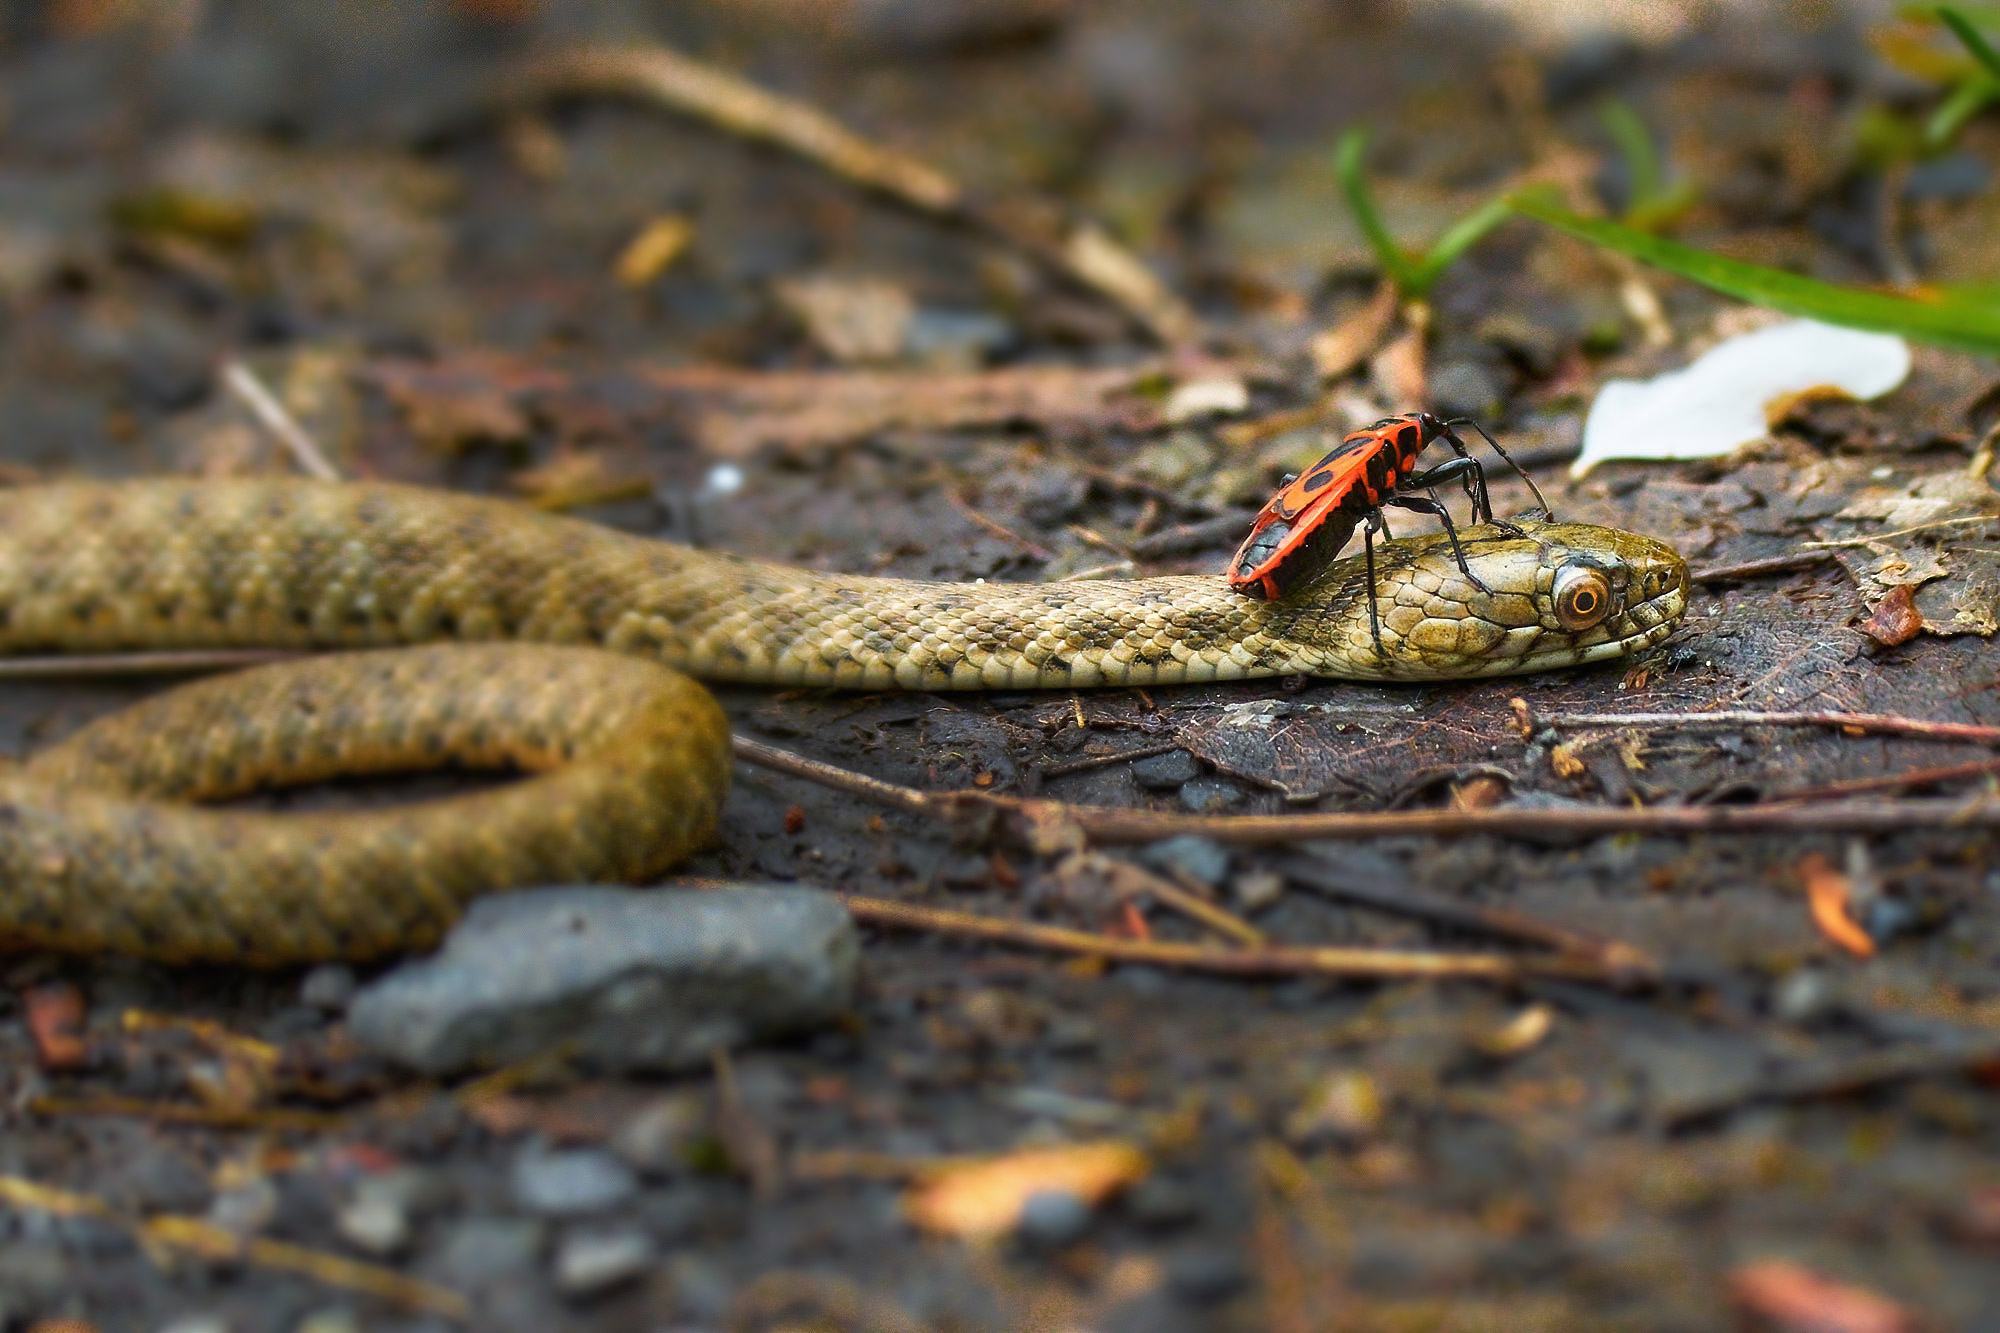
(481, 1250)
(1258, 889)
(328, 988)
(1161, 1204)
(577, 1180)
(1052, 1218)
(659, 1136)
(590, 1262)
(196, 1323)
(1206, 1275)
(162, 1179)
(624, 979)
(375, 1218)
(1165, 772)
(1203, 860)
(1210, 796)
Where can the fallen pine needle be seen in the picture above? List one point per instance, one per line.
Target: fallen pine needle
(162, 1235)
(1268, 961)
(1878, 724)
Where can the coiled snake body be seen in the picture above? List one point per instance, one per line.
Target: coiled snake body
(98, 849)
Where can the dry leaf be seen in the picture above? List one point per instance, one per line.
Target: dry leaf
(852, 320)
(56, 1017)
(982, 1200)
(1827, 894)
(1895, 620)
(1797, 1300)
(653, 251)
(1338, 350)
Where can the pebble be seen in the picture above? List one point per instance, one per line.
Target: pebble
(1210, 796)
(625, 979)
(480, 1250)
(1885, 918)
(1203, 860)
(1052, 1218)
(1165, 772)
(570, 1182)
(656, 1139)
(162, 1179)
(375, 1218)
(1256, 890)
(196, 1323)
(1802, 996)
(589, 1262)
(328, 988)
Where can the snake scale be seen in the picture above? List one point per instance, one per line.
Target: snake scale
(104, 847)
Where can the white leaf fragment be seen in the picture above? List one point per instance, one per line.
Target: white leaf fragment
(1722, 400)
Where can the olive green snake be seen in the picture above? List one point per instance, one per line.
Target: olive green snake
(105, 845)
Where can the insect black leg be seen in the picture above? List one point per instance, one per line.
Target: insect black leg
(1505, 457)
(1368, 555)
(1431, 506)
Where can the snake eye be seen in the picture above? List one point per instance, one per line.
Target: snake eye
(1582, 596)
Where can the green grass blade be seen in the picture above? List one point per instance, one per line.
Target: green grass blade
(1635, 145)
(1966, 101)
(1347, 168)
(1461, 236)
(1975, 41)
(1966, 326)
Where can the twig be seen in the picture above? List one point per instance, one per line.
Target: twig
(1000, 530)
(1832, 1076)
(1751, 569)
(1879, 724)
(1269, 961)
(1407, 900)
(1084, 765)
(1112, 825)
(1132, 879)
(1079, 249)
(1916, 777)
(1873, 537)
(1184, 537)
(272, 416)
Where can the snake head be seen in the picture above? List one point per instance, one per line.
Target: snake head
(1554, 595)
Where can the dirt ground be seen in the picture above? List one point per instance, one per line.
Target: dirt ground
(455, 276)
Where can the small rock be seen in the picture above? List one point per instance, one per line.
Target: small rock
(1206, 1275)
(1165, 772)
(481, 1250)
(1258, 889)
(162, 1179)
(588, 1263)
(1463, 389)
(375, 1218)
(1885, 918)
(1210, 796)
(328, 988)
(1161, 1204)
(955, 339)
(702, 1290)
(657, 1139)
(1051, 1219)
(1802, 996)
(577, 1180)
(246, 1209)
(627, 979)
(1203, 860)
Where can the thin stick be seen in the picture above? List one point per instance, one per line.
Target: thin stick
(241, 381)
(1880, 724)
(1916, 777)
(1112, 825)
(1080, 250)
(1405, 900)
(1874, 537)
(1084, 765)
(1751, 569)
(1000, 530)
(1269, 961)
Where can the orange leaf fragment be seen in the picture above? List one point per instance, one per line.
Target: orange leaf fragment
(1797, 1300)
(56, 1022)
(1827, 893)
(982, 1200)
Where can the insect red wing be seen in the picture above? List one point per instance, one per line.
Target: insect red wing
(1327, 480)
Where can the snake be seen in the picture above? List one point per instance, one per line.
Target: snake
(488, 635)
